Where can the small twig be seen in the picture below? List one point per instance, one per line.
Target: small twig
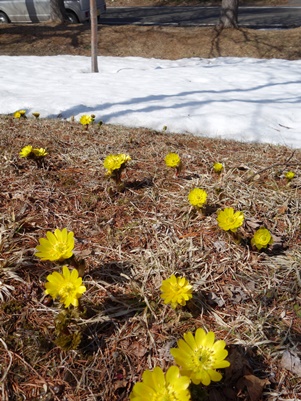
(298, 276)
(10, 361)
(285, 163)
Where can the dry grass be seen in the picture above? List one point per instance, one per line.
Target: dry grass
(155, 41)
(131, 241)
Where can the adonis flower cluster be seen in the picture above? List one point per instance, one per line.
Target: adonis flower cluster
(31, 152)
(228, 219)
(114, 164)
(197, 358)
(58, 247)
(20, 114)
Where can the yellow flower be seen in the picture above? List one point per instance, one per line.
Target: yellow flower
(261, 238)
(176, 291)
(66, 286)
(156, 386)
(26, 151)
(57, 246)
(218, 167)
(199, 357)
(36, 115)
(39, 152)
(173, 160)
(19, 113)
(115, 162)
(197, 197)
(289, 175)
(229, 220)
(86, 120)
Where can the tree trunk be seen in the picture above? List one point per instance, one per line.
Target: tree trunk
(93, 18)
(229, 14)
(57, 11)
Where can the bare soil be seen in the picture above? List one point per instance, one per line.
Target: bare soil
(155, 41)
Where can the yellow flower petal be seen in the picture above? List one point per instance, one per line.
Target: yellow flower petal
(26, 151)
(39, 152)
(156, 386)
(66, 285)
(176, 291)
(262, 238)
(197, 197)
(289, 175)
(190, 340)
(86, 119)
(229, 220)
(218, 167)
(115, 162)
(172, 160)
(199, 357)
(56, 246)
(209, 340)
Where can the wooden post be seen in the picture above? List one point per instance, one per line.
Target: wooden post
(93, 19)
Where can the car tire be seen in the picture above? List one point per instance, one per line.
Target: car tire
(72, 17)
(4, 18)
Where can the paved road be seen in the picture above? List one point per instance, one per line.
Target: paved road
(255, 17)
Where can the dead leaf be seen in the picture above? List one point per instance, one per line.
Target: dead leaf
(250, 286)
(254, 386)
(215, 395)
(277, 243)
(213, 299)
(136, 347)
(235, 293)
(253, 223)
(220, 246)
(239, 364)
(243, 167)
(291, 362)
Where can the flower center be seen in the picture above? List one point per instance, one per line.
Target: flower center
(67, 290)
(264, 239)
(60, 248)
(202, 360)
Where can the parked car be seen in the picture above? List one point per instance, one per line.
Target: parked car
(39, 10)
